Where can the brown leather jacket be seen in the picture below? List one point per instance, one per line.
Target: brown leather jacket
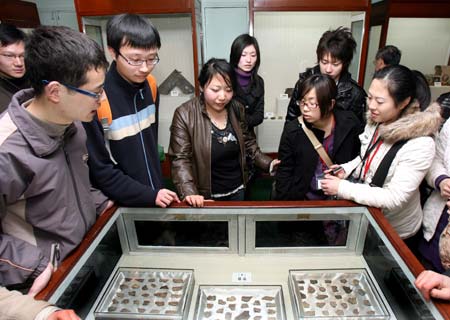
(190, 146)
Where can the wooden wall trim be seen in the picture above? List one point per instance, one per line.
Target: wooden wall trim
(307, 5)
(194, 45)
(385, 26)
(364, 48)
(251, 17)
(21, 14)
(423, 9)
(79, 20)
(109, 7)
(378, 13)
(413, 9)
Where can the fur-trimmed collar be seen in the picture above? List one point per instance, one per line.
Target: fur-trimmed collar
(412, 124)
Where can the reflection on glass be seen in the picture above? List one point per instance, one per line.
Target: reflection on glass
(182, 233)
(95, 33)
(80, 295)
(398, 290)
(418, 38)
(301, 233)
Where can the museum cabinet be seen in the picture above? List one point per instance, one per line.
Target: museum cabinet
(243, 260)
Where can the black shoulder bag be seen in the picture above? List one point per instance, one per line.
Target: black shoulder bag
(383, 168)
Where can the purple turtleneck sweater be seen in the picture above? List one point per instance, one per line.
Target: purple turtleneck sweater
(243, 77)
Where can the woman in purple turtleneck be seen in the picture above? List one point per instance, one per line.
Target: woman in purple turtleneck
(245, 59)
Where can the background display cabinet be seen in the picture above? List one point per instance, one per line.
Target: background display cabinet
(419, 28)
(177, 25)
(288, 32)
(243, 260)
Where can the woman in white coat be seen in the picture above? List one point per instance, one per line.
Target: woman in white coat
(435, 216)
(393, 115)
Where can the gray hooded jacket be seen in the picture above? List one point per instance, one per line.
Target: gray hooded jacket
(45, 193)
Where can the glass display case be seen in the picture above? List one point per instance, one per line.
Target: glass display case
(246, 260)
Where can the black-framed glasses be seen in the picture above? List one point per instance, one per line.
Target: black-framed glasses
(140, 62)
(96, 96)
(311, 105)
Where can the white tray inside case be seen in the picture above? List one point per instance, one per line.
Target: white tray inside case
(335, 294)
(147, 294)
(240, 303)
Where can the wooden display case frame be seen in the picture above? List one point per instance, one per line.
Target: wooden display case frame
(111, 215)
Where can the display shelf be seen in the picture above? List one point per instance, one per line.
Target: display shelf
(226, 246)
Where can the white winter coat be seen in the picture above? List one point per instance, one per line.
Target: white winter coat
(399, 198)
(441, 166)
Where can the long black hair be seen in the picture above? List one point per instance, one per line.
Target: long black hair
(402, 83)
(239, 44)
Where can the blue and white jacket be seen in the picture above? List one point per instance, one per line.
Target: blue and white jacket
(136, 178)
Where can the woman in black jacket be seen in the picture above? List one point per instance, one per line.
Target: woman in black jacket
(245, 59)
(301, 169)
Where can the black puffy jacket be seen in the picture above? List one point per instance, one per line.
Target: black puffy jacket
(350, 95)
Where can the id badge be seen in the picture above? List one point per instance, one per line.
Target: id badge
(320, 178)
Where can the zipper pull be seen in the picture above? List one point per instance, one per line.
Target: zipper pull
(55, 255)
(142, 95)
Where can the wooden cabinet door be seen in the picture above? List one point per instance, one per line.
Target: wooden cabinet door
(106, 7)
(159, 6)
(101, 7)
(22, 14)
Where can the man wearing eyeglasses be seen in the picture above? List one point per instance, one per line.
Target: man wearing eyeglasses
(123, 155)
(46, 201)
(12, 64)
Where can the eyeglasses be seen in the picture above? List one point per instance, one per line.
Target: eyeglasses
(137, 63)
(311, 105)
(11, 56)
(96, 96)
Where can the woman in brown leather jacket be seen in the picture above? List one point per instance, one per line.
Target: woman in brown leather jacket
(209, 140)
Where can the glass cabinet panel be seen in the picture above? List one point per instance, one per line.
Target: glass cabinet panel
(242, 263)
